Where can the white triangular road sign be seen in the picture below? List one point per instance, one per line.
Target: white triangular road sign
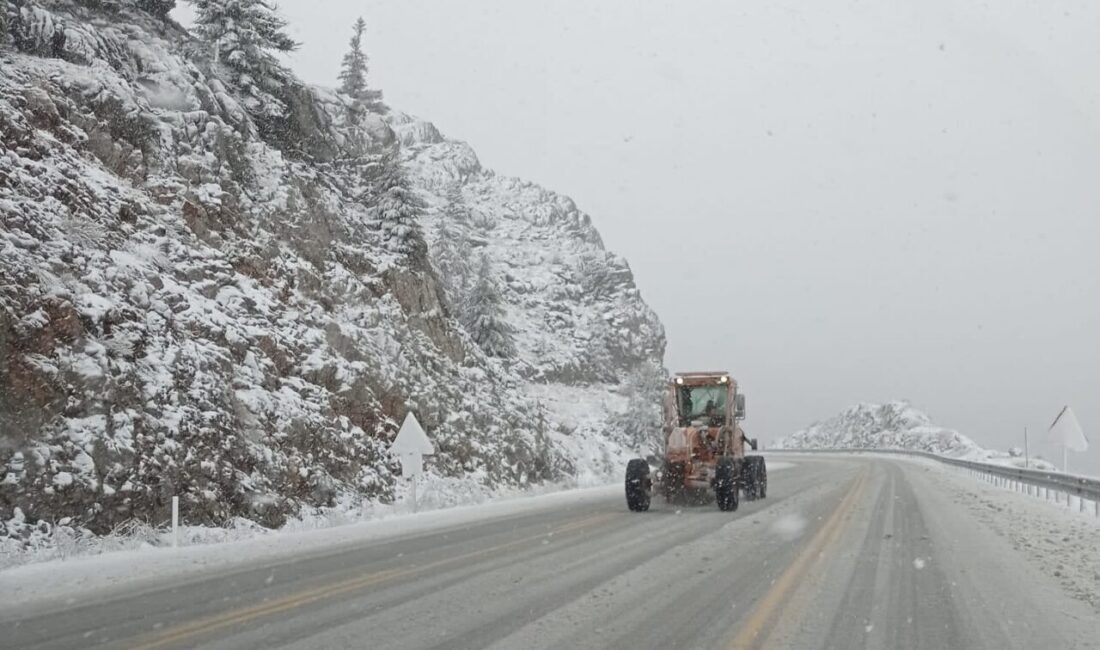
(411, 437)
(410, 446)
(1066, 431)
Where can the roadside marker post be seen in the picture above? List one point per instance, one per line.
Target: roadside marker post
(410, 446)
(175, 521)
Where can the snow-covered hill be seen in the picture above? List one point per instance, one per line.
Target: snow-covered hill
(196, 300)
(896, 425)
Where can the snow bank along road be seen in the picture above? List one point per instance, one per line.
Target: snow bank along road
(846, 552)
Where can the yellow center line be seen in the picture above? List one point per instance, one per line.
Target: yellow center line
(771, 605)
(307, 596)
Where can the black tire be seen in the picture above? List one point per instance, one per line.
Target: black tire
(726, 484)
(637, 485)
(762, 481)
(756, 478)
(673, 483)
(748, 478)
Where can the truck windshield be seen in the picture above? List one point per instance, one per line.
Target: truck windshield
(702, 402)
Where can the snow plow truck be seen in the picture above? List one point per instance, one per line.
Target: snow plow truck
(704, 448)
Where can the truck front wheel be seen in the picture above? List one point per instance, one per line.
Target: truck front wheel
(637, 485)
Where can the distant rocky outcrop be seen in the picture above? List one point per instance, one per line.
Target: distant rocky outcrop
(897, 425)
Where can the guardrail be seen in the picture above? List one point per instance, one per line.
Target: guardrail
(1036, 482)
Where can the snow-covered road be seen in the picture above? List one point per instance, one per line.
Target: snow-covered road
(846, 552)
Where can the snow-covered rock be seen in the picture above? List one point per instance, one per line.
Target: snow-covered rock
(198, 301)
(897, 425)
(894, 425)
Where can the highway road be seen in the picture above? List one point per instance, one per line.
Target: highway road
(846, 552)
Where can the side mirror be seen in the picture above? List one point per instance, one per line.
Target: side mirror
(752, 443)
(739, 408)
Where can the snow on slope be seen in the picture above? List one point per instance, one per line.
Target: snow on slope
(195, 302)
(896, 425)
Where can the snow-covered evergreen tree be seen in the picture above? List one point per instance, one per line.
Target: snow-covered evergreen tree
(454, 255)
(450, 253)
(5, 38)
(597, 350)
(396, 206)
(456, 211)
(244, 35)
(640, 424)
(159, 8)
(353, 75)
(485, 314)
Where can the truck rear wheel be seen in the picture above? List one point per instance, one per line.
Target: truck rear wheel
(637, 485)
(725, 485)
(762, 480)
(755, 478)
(748, 478)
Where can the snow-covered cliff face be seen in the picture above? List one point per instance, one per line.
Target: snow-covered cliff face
(574, 311)
(897, 425)
(197, 303)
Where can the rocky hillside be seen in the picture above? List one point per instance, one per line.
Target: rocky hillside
(896, 425)
(202, 301)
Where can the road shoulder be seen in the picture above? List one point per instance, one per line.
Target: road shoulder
(63, 582)
(1000, 553)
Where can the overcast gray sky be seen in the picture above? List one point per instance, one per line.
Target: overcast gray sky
(882, 199)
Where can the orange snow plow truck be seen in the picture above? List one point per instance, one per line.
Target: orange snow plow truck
(704, 448)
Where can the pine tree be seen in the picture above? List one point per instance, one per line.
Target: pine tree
(598, 353)
(457, 212)
(159, 8)
(396, 206)
(640, 424)
(449, 253)
(485, 314)
(543, 462)
(451, 250)
(244, 34)
(5, 38)
(353, 75)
